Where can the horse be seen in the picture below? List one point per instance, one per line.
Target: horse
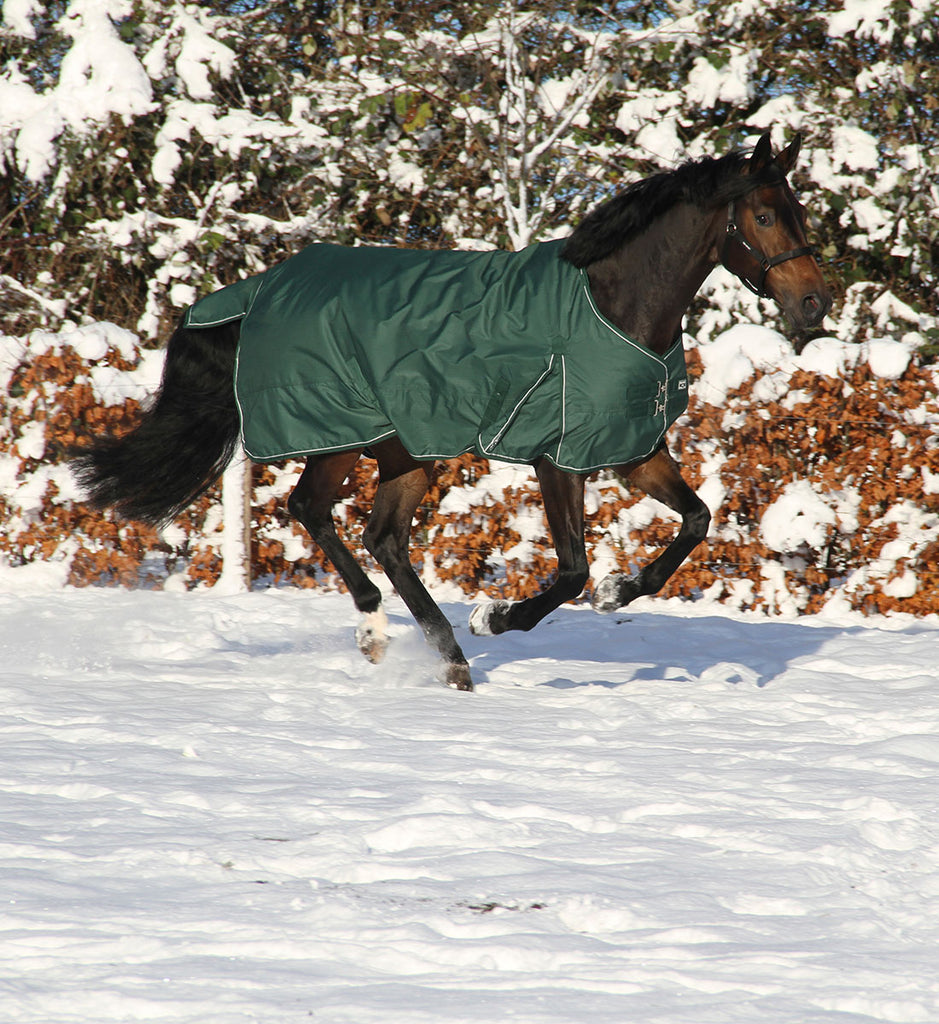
(585, 371)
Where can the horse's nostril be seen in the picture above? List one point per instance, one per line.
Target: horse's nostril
(812, 306)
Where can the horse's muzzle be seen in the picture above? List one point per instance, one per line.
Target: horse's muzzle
(809, 310)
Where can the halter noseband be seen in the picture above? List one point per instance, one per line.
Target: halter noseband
(766, 263)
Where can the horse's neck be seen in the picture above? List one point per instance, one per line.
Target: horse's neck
(645, 287)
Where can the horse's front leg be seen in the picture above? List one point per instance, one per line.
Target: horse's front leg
(563, 496)
(660, 477)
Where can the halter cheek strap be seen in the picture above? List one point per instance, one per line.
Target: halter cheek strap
(765, 263)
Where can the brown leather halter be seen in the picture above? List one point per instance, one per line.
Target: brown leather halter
(765, 263)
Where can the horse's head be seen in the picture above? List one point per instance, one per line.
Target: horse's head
(764, 243)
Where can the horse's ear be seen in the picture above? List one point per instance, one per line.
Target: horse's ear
(787, 158)
(762, 155)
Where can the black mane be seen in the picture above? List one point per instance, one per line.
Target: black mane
(710, 181)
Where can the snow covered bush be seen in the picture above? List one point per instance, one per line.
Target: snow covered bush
(824, 462)
(56, 386)
(821, 469)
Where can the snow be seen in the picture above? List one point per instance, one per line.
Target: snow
(648, 106)
(854, 148)
(786, 109)
(660, 140)
(829, 357)
(99, 77)
(216, 811)
(870, 218)
(863, 17)
(888, 358)
(15, 14)
(406, 175)
(707, 85)
(230, 133)
(199, 53)
(31, 444)
(798, 516)
(731, 358)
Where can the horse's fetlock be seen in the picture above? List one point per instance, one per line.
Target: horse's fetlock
(572, 582)
(368, 601)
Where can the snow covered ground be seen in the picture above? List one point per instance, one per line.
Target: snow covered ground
(213, 811)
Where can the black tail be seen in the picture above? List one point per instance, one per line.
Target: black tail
(182, 442)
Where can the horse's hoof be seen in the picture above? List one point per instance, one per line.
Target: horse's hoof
(606, 594)
(371, 636)
(458, 676)
(489, 619)
(615, 591)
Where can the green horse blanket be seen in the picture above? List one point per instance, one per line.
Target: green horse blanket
(502, 354)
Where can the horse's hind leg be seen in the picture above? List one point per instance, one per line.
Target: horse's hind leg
(311, 502)
(403, 482)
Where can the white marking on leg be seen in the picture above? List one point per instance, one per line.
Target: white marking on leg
(371, 635)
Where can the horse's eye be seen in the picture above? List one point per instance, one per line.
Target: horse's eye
(763, 220)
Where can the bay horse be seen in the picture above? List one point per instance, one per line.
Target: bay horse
(567, 393)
